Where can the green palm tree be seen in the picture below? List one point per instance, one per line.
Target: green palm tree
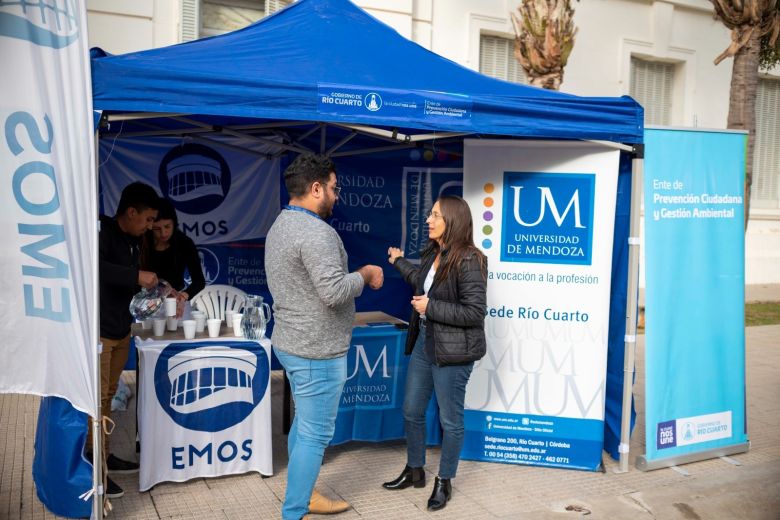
(544, 39)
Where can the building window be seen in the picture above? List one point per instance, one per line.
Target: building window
(221, 16)
(652, 85)
(765, 192)
(497, 59)
(201, 18)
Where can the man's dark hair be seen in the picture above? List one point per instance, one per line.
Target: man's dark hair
(139, 196)
(305, 170)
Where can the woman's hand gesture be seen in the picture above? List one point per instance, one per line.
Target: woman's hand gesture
(393, 253)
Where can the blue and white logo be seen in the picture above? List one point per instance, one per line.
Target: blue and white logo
(372, 376)
(48, 23)
(688, 429)
(547, 218)
(666, 435)
(420, 187)
(214, 392)
(209, 263)
(195, 178)
(372, 101)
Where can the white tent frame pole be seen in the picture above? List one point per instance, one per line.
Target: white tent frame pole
(97, 444)
(632, 306)
(132, 116)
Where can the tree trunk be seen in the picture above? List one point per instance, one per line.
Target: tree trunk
(551, 81)
(742, 104)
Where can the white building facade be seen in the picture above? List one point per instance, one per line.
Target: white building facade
(659, 52)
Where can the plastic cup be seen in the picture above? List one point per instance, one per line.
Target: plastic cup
(237, 324)
(229, 317)
(170, 306)
(173, 322)
(200, 322)
(214, 325)
(189, 328)
(147, 324)
(159, 326)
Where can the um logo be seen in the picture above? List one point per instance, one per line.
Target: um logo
(547, 217)
(372, 376)
(546, 200)
(361, 359)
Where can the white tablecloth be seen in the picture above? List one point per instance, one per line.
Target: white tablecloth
(204, 408)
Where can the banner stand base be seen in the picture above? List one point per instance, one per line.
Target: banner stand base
(648, 465)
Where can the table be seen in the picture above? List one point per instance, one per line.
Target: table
(204, 406)
(371, 404)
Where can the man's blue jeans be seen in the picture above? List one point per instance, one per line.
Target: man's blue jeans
(449, 382)
(316, 387)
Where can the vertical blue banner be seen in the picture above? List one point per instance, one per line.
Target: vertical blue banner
(694, 300)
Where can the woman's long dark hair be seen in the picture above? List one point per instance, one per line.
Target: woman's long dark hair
(458, 238)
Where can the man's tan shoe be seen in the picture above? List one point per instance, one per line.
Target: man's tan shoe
(321, 505)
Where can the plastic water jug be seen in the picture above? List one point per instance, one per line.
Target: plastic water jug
(147, 302)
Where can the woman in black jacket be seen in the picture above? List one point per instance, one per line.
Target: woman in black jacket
(168, 251)
(446, 335)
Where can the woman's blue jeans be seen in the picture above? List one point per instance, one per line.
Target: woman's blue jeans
(316, 387)
(449, 382)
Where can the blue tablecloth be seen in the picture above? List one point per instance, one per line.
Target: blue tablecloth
(372, 400)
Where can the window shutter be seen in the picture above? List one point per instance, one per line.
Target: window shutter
(272, 6)
(497, 59)
(651, 86)
(766, 154)
(190, 20)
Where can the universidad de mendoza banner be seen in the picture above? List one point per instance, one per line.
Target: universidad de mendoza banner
(544, 216)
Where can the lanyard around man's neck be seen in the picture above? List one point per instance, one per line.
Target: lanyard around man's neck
(302, 210)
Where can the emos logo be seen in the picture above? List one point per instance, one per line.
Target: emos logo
(212, 392)
(547, 218)
(48, 23)
(195, 178)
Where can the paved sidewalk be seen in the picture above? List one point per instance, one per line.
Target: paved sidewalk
(768, 292)
(745, 486)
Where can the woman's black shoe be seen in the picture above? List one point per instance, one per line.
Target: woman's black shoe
(408, 477)
(442, 491)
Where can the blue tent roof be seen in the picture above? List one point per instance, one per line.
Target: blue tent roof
(321, 60)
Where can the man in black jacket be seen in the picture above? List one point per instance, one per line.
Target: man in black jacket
(120, 276)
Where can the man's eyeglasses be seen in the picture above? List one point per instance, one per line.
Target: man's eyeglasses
(336, 189)
(434, 215)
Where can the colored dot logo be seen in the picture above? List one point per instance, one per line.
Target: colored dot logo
(487, 215)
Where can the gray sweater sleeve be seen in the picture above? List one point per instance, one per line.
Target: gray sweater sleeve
(334, 285)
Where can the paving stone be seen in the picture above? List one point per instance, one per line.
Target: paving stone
(356, 470)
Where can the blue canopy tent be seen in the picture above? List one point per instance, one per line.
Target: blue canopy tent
(277, 70)
(324, 75)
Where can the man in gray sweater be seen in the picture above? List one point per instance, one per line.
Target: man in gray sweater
(314, 307)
